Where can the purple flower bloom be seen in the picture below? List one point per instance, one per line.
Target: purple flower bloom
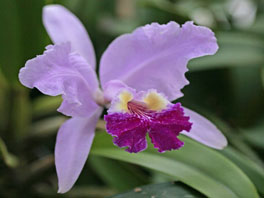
(130, 118)
(140, 73)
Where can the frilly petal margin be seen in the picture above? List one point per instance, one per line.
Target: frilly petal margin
(60, 72)
(166, 125)
(204, 131)
(73, 144)
(63, 26)
(155, 56)
(128, 131)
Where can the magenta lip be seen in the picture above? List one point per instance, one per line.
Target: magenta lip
(130, 129)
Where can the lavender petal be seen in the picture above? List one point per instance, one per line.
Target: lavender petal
(63, 26)
(60, 72)
(156, 56)
(73, 144)
(204, 131)
(112, 88)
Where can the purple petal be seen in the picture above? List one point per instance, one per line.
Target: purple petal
(63, 26)
(164, 139)
(112, 88)
(204, 131)
(73, 144)
(58, 71)
(156, 56)
(166, 126)
(129, 131)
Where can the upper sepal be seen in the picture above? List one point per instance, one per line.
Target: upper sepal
(155, 56)
(63, 26)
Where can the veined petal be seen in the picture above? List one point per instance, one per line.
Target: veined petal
(204, 131)
(73, 145)
(164, 139)
(166, 125)
(63, 26)
(128, 131)
(60, 72)
(156, 56)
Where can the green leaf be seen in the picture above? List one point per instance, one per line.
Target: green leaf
(258, 27)
(248, 103)
(15, 111)
(21, 111)
(200, 167)
(253, 170)
(262, 76)
(255, 135)
(91, 191)
(169, 7)
(118, 175)
(10, 39)
(44, 105)
(46, 127)
(237, 140)
(23, 34)
(163, 190)
(158, 177)
(9, 159)
(4, 102)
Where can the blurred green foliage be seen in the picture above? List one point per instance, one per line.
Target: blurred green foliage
(164, 190)
(228, 88)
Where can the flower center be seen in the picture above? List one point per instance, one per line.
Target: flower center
(142, 104)
(139, 108)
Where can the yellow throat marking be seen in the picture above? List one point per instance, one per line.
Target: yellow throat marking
(124, 98)
(155, 101)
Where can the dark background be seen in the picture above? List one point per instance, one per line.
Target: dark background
(227, 87)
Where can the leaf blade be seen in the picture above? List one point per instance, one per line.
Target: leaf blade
(179, 165)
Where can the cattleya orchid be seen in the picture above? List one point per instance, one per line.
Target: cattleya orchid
(140, 74)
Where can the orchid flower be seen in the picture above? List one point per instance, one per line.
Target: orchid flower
(140, 74)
